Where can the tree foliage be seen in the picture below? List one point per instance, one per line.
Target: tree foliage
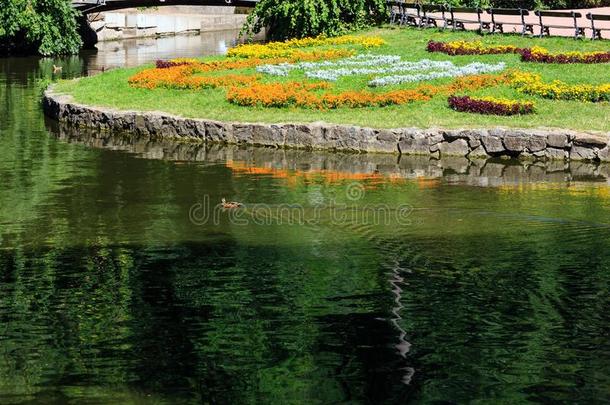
(48, 27)
(302, 18)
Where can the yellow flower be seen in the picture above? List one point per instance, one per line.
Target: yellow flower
(530, 83)
(287, 49)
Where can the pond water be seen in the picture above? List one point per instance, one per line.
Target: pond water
(344, 278)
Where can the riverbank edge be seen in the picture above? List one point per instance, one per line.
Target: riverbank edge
(532, 144)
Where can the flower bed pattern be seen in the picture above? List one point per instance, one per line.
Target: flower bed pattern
(183, 77)
(368, 64)
(297, 95)
(180, 73)
(470, 48)
(490, 105)
(535, 54)
(279, 59)
(287, 48)
(530, 83)
(475, 68)
(542, 55)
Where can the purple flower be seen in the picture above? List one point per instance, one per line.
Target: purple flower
(478, 106)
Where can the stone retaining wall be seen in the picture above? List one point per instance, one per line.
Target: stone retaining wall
(532, 144)
(455, 170)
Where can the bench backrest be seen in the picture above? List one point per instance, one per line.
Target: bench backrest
(507, 11)
(432, 8)
(465, 10)
(411, 5)
(598, 17)
(570, 14)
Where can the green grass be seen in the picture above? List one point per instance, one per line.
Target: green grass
(111, 89)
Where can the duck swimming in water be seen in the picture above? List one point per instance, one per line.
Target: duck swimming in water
(230, 204)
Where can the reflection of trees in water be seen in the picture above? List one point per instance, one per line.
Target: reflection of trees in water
(98, 286)
(403, 345)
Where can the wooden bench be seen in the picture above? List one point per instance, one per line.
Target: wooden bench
(395, 10)
(498, 26)
(427, 21)
(410, 14)
(596, 32)
(458, 23)
(403, 13)
(574, 16)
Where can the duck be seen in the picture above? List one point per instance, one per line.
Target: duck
(230, 204)
(57, 69)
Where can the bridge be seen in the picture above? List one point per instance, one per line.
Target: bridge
(97, 6)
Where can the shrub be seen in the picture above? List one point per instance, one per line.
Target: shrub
(302, 18)
(47, 27)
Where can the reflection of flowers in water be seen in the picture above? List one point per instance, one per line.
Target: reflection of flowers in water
(326, 176)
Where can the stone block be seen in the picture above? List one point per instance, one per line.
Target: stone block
(492, 144)
(414, 146)
(582, 153)
(459, 147)
(557, 140)
(584, 139)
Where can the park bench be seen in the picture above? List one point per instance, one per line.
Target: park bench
(545, 29)
(395, 10)
(411, 14)
(596, 32)
(403, 13)
(431, 21)
(458, 22)
(498, 26)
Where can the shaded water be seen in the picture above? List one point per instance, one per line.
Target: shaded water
(386, 280)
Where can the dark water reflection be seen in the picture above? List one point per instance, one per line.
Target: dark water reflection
(494, 288)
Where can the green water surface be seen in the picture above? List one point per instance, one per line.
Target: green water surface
(492, 286)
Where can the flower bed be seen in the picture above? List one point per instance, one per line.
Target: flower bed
(541, 55)
(470, 48)
(279, 59)
(530, 83)
(490, 105)
(368, 64)
(475, 68)
(535, 54)
(288, 48)
(183, 77)
(180, 73)
(295, 94)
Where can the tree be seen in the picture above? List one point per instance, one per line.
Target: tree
(302, 18)
(48, 27)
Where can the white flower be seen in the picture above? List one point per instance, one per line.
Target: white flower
(474, 68)
(336, 74)
(370, 64)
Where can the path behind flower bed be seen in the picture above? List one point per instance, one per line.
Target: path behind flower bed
(533, 19)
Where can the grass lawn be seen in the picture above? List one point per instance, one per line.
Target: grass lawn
(111, 89)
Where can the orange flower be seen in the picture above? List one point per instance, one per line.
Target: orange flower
(182, 76)
(302, 95)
